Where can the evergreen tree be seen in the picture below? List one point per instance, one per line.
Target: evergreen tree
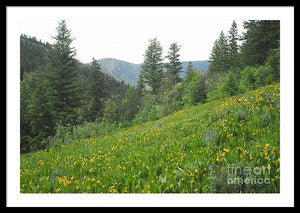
(152, 67)
(32, 54)
(25, 130)
(260, 40)
(232, 44)
(220, 55)
(230, 86)
(189, 67)
(95, 92)
(140, 90)
(174, 65)
(113, 110)
(63, 75)
(274, 62)
(189, 72)
(130, 104)
(195, 88)
(40, 111)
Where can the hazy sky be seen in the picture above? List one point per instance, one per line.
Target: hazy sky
(127, 37)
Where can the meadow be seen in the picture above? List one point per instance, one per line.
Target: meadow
(193, 150)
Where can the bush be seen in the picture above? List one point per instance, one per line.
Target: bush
(230, 86)
(154, 113)
(248, 78)
(226, 87)
(274, 63)
(195, 90)
(172, 100)
(264, 75)
(68, 134)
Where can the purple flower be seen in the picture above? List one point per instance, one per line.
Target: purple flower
(210, 135)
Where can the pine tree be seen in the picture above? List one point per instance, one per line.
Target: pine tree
(189, 72)
(230, 86)
(174, 65)
(152, 67)
(40, 110)
(260, 40)
(232, 44)
(140, 89)
(195, 88)
(189, 67)
(25, 129)
(63, 75)
(95, 92)
(130, 104)
(220, 55)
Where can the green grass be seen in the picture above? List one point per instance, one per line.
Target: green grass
(191, 151)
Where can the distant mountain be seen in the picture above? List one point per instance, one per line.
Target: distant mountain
(129, 72)
(121, 70)
(198, 65)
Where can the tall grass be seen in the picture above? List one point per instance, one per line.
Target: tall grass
(194, 150)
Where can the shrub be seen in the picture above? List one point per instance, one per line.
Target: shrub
(172, 100)
(248, 78)
(195, 90)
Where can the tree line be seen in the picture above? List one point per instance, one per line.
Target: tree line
(59, 91)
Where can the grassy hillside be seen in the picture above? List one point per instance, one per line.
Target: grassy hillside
(229, 145)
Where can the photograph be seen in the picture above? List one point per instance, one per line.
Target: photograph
(149, 100)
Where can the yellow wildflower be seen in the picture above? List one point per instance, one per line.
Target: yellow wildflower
(226, 150)
(267, 147)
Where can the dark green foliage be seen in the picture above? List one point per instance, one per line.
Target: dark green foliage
(111, 86)
(231, 85)
(59, 92)
(62, 70)
(219, 57)
(140, 87)
(37, 119)
(268, 73)
(260, 39)
(274, 62)
(173, 67)
(248, 78)
(172, 99)
(189, 67)
(25, 133)
(113, 110)
(233, 47)
(195, 88)
(237, 69)
(129, 72)
(41, 110)
(152, 67)
(130, 104)
(150, 109)
(95, 94)
(32, 54)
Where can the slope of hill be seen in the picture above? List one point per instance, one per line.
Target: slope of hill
(32, 54)
(121, 70)
(129, 72)
(196, 150)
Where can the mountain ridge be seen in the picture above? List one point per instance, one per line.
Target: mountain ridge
(129, 72)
